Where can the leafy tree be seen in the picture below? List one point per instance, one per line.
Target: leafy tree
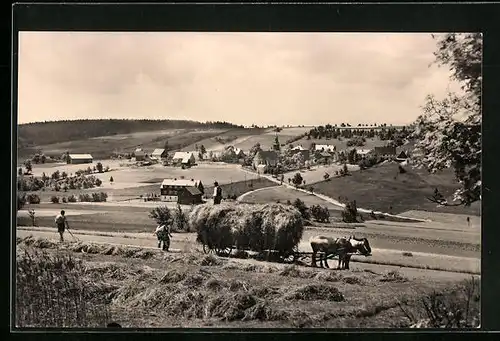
(276, 145)
(161, 215)
(448, 132)
(28, 166)
(320, 214)
(21, 201)
(297, 179)
(326, 176)
(99, 167)
(111, 179)
(254, 150)
(180, 218)
(43, 158)
(350, 212)
(20, 171)
(303, 209)
(203, 151)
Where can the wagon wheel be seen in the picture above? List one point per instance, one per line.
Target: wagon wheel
(224, 252)
(207, 249)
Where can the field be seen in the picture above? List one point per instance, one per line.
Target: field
(146, 288)
(102, 147)
(340, 144)
(381, 187)
(316, 173)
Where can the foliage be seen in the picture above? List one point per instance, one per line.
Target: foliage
(21, 200)
(161, 215)
(28, 166)
(448, 132)
(350, 212)
(33, 198)
(326, 176)
(320, 214)
(72, 198)
(276, 145)
(303, 209)
(401, 169)
(180, 219)
(54, 199)
(297, 179)
(99, 167)
(357, 141)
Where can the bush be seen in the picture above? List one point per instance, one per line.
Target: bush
(98, 182)
(54, 199)
(64, 199)
(99, 197)
(85, 197)
(401, 169)
(72, 198)
(320, 214)
(161, 215)
(33, 199)
(21, 201)
(350, 212)
(180, 219)
(303, 209)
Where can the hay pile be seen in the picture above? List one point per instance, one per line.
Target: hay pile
(248, 227)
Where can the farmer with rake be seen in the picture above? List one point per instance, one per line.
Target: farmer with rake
(61, 223)
(163, 234)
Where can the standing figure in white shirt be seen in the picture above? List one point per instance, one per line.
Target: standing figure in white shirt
(163, 234)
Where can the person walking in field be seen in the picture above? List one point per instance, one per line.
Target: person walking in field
(217, 193)
(61, 224)
(163, 234)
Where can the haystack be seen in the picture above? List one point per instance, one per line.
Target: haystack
(248, 227)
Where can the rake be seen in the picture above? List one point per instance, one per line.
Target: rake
(67, 227)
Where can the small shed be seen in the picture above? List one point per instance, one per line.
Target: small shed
(139, 154)
(79, 158)
(185, 192)
(159, 154)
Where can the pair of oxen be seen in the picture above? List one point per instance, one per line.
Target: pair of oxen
(342, 247)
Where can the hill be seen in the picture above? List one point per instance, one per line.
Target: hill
(382, 187)
(44, 133)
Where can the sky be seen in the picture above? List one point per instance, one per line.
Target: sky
(243, 78)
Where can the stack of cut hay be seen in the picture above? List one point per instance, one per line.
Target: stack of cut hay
(248, 227)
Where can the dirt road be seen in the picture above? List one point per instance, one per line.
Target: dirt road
(186, 242)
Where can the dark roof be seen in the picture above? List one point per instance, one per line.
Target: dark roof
(193, 190)
(268, 154)
(403, 155)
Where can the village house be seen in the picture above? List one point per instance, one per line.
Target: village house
(181, 191)
(159, 154)
(79, 158)
(403, 156)
(139, 154)
(324, 158)
(325, 147)
(184, 159)
(306, 154)
(298, 148)
(240, 154)
(266, 158)
(363, 152)
(387, 151)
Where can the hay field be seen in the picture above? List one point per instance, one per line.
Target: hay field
(147, 288)
(381, 187)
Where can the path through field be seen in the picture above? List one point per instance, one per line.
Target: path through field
(382, 259)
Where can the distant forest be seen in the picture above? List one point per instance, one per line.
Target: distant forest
(42, 133)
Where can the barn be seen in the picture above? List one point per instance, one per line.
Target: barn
(79, 158)
(159, 154)
(184, 158)
(184, 192)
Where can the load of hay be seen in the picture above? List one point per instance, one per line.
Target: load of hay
(275, 227)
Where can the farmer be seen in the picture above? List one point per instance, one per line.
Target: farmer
(163, 234)
(61, 223)
(217, 193)
(468, 221)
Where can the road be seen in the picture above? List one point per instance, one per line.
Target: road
(185, 242)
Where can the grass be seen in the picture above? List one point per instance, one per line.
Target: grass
(104, 146)
(240, 187)
(200, 290)
(382, 187)
(52, 291)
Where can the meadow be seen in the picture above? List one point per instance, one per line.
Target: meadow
(146, 288)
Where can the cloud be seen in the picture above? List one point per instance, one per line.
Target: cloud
(263, 78)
